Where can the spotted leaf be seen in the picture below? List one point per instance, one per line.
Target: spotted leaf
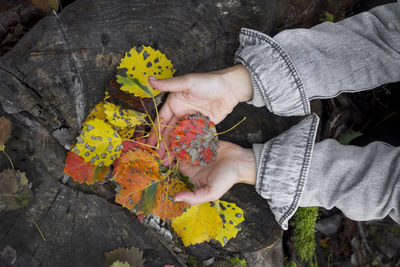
(136, 67)
(123, 118)
(98, 143)
(219, 220)
(141, 187)
(194, 140)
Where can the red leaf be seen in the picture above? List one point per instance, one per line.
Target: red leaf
(194, 140)
(83, 172)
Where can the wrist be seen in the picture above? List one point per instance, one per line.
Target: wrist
(237, 78)
(247, 168)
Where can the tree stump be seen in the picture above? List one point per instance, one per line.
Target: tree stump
(56, 74)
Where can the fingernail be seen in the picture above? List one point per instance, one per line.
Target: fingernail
(152, 78)
(178, 199)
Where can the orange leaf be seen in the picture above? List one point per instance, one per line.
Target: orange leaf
(141, 187)
(138, 169)
(83, 172)
(165, 206)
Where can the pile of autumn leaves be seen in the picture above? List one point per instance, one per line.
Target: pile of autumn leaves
(110, 148)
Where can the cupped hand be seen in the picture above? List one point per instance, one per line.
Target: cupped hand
(233, 164)
(213, 94)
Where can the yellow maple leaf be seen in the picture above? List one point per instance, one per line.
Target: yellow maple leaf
(219, 220)
(98, 143)
(136, 67)
(123, 118)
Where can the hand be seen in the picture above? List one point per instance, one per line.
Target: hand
(233, 164)
(213, 94)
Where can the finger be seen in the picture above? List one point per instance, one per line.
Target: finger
(176, 84)
(199, 196)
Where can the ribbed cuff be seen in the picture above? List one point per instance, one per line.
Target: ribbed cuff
(283, 166)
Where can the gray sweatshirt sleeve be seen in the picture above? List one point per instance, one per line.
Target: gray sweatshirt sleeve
(358, 53)
(363, 182)
(296, 66)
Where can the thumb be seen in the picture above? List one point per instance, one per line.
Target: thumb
(199, 196)
(176, 84)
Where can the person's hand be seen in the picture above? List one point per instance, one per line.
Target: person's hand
(233, 164)
(214, 94)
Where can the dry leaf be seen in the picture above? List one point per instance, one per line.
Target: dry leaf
(15, 191)
(132, 256)
(5, 131)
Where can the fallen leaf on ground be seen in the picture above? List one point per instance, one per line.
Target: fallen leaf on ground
(194, 140)
(15, 191)
(136, 68)
(219, 220)
(5, 131)
(131, 256)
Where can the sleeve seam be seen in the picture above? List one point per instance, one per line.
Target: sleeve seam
(292, 69)
(303, 172)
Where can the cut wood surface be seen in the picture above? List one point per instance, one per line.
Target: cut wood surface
(56, 74)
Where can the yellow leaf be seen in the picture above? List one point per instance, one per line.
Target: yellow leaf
(198, 224)
(123, 118)
(120, 264)
(98, 143)
(219, 220)
(136, 67)
(97, 112)
(232, 217)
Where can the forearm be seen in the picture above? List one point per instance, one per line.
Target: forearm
(363, 182)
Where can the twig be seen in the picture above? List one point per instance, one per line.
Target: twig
(70, 51)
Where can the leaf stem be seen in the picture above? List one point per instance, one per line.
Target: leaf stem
(34, 222)
(9, 159)
(233, 127)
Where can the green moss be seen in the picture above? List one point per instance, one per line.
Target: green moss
(236, 262)
(192, 260)
(326, 16)
(303, 223)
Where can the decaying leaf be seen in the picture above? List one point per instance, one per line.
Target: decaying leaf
(137, 175)
(194, 140)
(142, 189)
(123, 118)
(15, 190)
(5, 131)
(98, 143)
(83, 172)
(136, 67)
(165, 206)
(219, 220)
(131, 256)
